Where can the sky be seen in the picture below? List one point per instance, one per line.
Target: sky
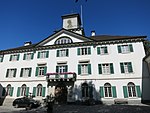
(35, 20)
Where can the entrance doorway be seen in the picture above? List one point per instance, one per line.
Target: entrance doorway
(61, 93)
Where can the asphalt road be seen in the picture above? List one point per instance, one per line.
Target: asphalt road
(83, 109)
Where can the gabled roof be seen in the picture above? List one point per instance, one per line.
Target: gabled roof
(76, 35)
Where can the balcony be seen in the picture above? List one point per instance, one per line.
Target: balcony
(65, 76)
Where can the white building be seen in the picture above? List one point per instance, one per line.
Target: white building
(72, 67)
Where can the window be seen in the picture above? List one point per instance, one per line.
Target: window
(84, 51)
(102, 50)
(39, 90)
(11, 73)
(84, 69)
(62, 53)
(106, 68)
(43, 54)
(87, 90)
(125, 48)
(108, 91)
(8, 91)
(25, 72)
(61, 68)
(14, 57)
(131, 90)
(41, 70)
(1, 58)
(23, 90)
(126, 67)
(28, 56)
(63, 40)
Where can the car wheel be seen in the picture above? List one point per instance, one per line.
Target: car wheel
(16, 106)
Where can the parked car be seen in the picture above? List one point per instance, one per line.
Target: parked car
(26, 102)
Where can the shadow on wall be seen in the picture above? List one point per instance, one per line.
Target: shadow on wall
(2, 94)
(145, 98)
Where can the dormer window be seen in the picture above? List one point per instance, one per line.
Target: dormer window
(63, 40)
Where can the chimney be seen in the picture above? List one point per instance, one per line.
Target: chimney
(27, 43)
(93, 33)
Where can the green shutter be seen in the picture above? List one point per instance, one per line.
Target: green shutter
(43, 92)
(105, 50)
(38, 56)
(4, 91)
(34, 91)
(47, 54)
(78, 51)
(18, 56)
(67, 52)
(122, 68)
(89, 50)
(24, 56)
(32, 55)
(10, 58)
(111, 68)
(130, 67)
(37, 71)
(2, 57)
(57, 69)
(21, 73)
(30, 70)
(89, 68)
(114, 91)
(125, 91)
(138, 91)
(15, 71)
(66, 68)
(11, 91)
(130, 47)
(98, 51)
(27, 91)
(100, 68)
(7, 73)
(18, 92)
(57, 55)
(101, 92)
(91, 91)
(79, 69)
(45, 70)
(119, 49)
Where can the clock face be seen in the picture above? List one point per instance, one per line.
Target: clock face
(69, 24)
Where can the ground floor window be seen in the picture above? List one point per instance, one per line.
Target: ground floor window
(87, 90)
(39, 90)
(23, 90)
(8, 90)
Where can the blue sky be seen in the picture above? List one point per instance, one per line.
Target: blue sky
(34, 20)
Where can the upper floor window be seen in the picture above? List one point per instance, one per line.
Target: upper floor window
(106, 68)
(11, 73)
(126, 67)
(1, 58)
(102, 50)
(25, 72)
(62, 53)
(43, 54)
(63, 40)
(14, 57)
(28, 56)
(41, 70)
(61, 68)
(84, 68)
(84, 51)
(125, 48)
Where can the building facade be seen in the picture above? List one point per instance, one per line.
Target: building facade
(73, 67)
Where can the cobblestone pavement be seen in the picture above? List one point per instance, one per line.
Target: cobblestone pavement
(86, 109)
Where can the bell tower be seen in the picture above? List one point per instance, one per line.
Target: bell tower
(72, 22)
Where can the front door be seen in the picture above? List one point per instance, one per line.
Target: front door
(61, 93)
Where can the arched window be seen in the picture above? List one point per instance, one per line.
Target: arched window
(39, 90)
(85, 90)
(107, 90)
(8, 90)
(63, 40)
(23, 90)
(131, 89)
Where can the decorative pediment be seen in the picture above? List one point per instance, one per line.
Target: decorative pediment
(63, 36)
